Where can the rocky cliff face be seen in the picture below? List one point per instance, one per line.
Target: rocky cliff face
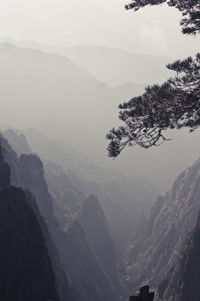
(66, 197)
(26, 271)
(31, 176)
(153, 249)
(22, 177)
(17, 141)
(88, 279)
(4, 170)
(182, 282)
(94, 222)
(123, 199)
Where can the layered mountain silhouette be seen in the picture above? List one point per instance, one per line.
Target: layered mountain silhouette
(26, 268)
(61, 95)
(123, 198)
(86, 277)
(116, 66)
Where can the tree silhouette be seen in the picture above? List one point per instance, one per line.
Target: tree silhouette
(174, 104)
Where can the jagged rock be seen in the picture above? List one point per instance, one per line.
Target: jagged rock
(63, 285)
(153, 250)
(183, 280)
(61, 281)
(4, 170)
(123, 199)
(25, 268)
(88, 280)
(94, 222)
(66, 197)
(17, 141)
(31, 176)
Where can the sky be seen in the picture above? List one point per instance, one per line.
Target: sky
(70, 22)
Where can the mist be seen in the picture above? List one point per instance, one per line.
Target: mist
(76, 224)
(45, 98)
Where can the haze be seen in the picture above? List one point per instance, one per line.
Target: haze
(40, 97)
(63, 23)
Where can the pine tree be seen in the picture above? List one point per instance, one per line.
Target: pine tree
(172, 105)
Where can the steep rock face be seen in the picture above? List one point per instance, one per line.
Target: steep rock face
(66, 197)
(63, 285)
(17, 141)
(87, 277)
(26, 272)
(154, 248)
(31, 176)
(123, 199)
(7, 154)
(8, 158)
(93, 220)
(4, 170)
(183, 280)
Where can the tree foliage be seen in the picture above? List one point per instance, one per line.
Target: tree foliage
(175, 104)
(190, 10)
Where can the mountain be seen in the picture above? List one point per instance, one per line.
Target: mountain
(94, 222)
(182, 283)
(124, 199)
(27, 271)
(15, 178)
(155, 247)
(116, 66)
(125, 71)
(79, 262)
(44, 91)
(86, 277)
(54, 95)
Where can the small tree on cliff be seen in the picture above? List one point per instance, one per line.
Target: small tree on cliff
(173, 105)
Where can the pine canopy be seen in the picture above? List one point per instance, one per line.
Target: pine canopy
(172, 105)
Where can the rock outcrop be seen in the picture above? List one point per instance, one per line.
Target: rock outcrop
(182, 282)
(154, 248)
(94, 222)
(123, 199)
(51, 270)
(25, 269)
(17, 141)
(4, 170)
(87, 277)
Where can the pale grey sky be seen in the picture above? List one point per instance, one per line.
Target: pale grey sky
(105, 22)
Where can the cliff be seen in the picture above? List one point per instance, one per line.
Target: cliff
(94, 222)
(88, 280)
(154, 248)
(182, 282)
(29, 254)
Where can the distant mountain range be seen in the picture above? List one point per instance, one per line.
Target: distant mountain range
(53, 93)
(112, 66)
(116, 66)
